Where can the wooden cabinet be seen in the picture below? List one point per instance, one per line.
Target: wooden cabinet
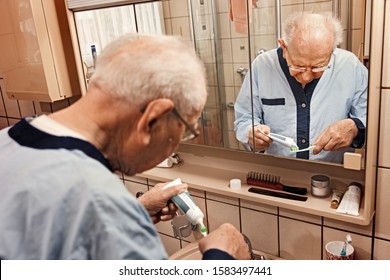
(36, 54)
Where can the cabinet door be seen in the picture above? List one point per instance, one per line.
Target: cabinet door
(37, 57)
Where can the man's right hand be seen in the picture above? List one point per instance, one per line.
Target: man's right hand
(260, 142)
(228, 239)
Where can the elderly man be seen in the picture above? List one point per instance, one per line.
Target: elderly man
(59, 198)
(308, 90)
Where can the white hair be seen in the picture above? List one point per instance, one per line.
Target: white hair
(141, 68)
(312, 25)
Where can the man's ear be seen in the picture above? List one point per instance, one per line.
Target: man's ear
(284, 47)
(153, 111)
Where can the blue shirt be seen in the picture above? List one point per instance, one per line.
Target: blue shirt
(280, 102)
(60, 200)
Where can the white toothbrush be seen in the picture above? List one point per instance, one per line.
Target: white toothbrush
(297, 150)
(286, 141)
(348, 240)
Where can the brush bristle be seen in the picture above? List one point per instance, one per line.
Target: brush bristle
(262, 177)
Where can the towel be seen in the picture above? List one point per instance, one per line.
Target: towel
(238, 15)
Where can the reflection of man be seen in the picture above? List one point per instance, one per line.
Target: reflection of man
(306, 89)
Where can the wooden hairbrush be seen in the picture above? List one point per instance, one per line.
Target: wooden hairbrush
(268, 181)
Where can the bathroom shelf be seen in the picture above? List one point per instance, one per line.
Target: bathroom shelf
(216, 180)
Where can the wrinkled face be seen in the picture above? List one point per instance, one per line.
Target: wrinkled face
(309, 62)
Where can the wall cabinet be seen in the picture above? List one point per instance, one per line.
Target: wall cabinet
(36, 53)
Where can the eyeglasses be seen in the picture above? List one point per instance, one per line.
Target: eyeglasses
(191, 132)
(304, 69)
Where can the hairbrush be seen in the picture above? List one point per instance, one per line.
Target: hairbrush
(268, 181)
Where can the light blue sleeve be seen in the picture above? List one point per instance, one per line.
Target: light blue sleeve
(243, 107)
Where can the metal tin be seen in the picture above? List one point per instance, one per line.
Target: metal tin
(320, 185)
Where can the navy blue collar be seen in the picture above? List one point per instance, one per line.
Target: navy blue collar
(294, 85)
(29, 136)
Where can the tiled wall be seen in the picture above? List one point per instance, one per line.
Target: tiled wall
(273, 230)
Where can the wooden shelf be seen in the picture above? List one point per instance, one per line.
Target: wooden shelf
(207, 177)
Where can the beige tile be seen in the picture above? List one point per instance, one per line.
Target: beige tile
(382, 221)
(319, 7)
(300, 216)
(26, 108)
(261, 229)
(381, 249)
(222, 198)
(357, 14)
(168, 26)
(166, 9)
(299, 240)
(228, 74)
(11, 106)
(2, 106)
(264, 22)
(179, 8)
(3, 122)
(259, 206)
(240, 50)
(224, 26)
(386, 47)
(171, 244)
(360, 243)
(134, 187)
(233, 142)
(226, 46)
(384, 130)
(13, 121)
(238, 78)
(287, 10)
(367, 230)
(181, 27)
(165, 228)
(137, 179)
(222, 6)
(219, 213)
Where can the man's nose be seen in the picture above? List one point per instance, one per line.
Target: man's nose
(307, 76)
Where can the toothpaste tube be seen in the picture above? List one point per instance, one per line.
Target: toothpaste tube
(188, 207)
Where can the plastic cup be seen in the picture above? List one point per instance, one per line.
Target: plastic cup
(333, 250)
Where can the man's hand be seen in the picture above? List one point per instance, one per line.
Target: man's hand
(336, 137)
(228, 239)
(156, 201)
(261, 142)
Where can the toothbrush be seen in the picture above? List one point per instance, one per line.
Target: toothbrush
(348, 240)
(286, 141)
(297, 150)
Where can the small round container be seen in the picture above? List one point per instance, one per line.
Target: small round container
(235, 184)
(320, 186)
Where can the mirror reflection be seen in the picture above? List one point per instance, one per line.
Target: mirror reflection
(238, 39)
(307, 98)
(228, 40)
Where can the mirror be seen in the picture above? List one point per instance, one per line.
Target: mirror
(228, 49)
